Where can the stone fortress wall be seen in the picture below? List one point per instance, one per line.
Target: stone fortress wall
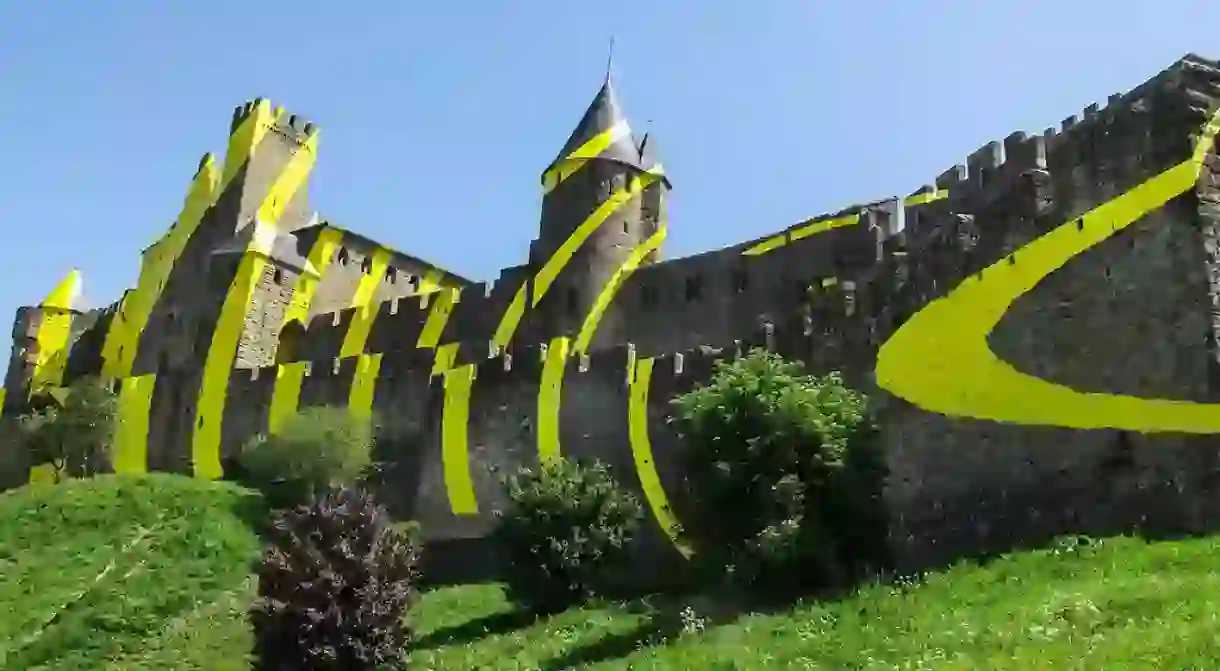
(1036, 328)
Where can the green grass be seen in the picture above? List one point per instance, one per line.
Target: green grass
(1119, 604)
(125, 573)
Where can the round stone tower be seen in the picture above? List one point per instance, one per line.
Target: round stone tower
(603, 197)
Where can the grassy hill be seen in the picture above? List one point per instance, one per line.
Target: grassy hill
(153, 573)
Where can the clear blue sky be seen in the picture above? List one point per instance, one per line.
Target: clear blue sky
(438, 117)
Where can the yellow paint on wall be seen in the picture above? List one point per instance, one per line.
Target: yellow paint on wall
(131, 429)
(550, 397)
(286, 394)
(592, 148)
(512, 317)
(364, 386)
(925, 198)
(245, 139)
(445, 356)
(604, 298)
(641, 452)
(940, 360)
(209, 413)
(123, 335)
(358, 331)
(455, 454)
(54, 331)
(431, 282)
(800, 232)
(438, 317)
(559, 260)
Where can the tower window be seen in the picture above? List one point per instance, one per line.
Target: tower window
(694, 288)
(391, 275)
(277, 276)
(740, 281)
(366, 266)
(648, 295)
(626, 226)
(573, 300)
(341, 256)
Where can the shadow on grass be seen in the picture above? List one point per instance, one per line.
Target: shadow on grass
(467, 632)
(663, 625)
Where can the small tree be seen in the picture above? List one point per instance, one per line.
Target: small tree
(782, 469)
(317, 449)
(73, 430)
(569, 527)
(334, 587)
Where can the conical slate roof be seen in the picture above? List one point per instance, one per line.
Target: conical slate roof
(602, 133)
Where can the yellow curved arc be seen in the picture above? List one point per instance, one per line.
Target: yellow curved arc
(592, 148)
(559, 260)
(550, 397)
(589, 327)
(799, 233)
(357, 335)
(131, 425)
(940, 361)
(455, 457)
(364, 386)
(512, 316)
(54, 331)
(286, 394)
(222, 350)
(123, 335)
(641, 452)
(926, 197)
(438, 317)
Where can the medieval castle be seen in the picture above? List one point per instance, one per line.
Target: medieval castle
(1038, 329)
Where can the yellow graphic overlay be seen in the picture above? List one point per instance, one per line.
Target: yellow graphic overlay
(455, 457)
(357, 335)
(589, 328)
(54, 331)
(550, 396)
(592, 148)
(940, 361)
(209, 413)
(641, 452)
(131, 431)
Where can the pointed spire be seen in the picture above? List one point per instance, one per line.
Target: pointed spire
(65, 294)
(602, 133)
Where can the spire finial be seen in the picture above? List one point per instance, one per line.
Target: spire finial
(610, 59)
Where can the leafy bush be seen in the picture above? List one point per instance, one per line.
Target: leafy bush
(317, 449)
(785, 474)
(569, 527)
(73, 431)
(334, 587)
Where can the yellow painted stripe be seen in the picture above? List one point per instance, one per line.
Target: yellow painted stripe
(209, 412)
(123, 335)
(438, 316)
(131, 430)
(44, 473)
(611, 288)
(431, 282)
(940, 359)
(512, 317)
(925, 198)
(54, 331)
(320, 256)
(592, 148)
(246, 138)
(813, 228)
(554, 265)
(641, 451)
(286, 395)
(2, 393)
(364, 386)
(454, 449)
(773, 242)
(445, 356)
(550, 396)
(357, 335)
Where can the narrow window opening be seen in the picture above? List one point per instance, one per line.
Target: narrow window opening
(694, 288)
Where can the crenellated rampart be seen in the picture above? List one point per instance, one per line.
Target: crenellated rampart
(1035, 328)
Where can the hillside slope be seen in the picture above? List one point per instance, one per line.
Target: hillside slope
(126, 572)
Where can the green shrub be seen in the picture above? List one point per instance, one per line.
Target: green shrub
(74, 431)
(317, 449)
(784, 473)
(569, 527)
(334, 587)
